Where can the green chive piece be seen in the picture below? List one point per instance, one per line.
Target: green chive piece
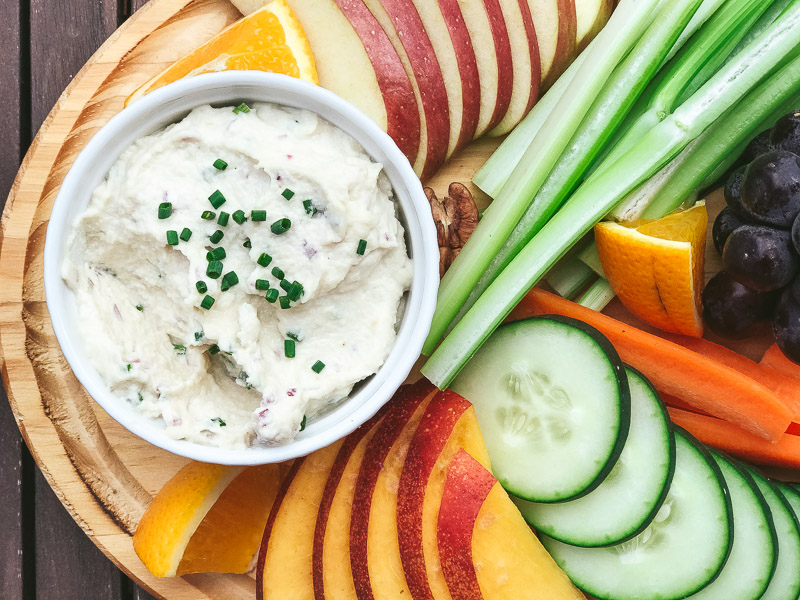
(242, 108)
(277, 273)
(217, 199)
(186, 234)
(293, 336)
(180, 349)
(239, 216)
(213, 349)
(284, 302)
(229, 280)
(201, 287)
(220, 164)
(264, 259)
(219, 421)
(165, 210)
(288, 348)
(223, 219)
(216, 237)
(208, 215)
(295, 291)
(258, 215)
(287, 193)
(247, 243)
(214, 269)
(286, 285)
(172, 237)
(207, 302)
(262, 285)
(139, 307)
(308, 205)
(128, 367)
(362, 247)
(216, 254)
(272, 295)
(318, 366)
(303, 423)
(281, 226)
(199, 335)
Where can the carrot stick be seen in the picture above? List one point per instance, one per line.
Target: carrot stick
(702, 382)
(786, 389)
(775, 359)
(729, 438)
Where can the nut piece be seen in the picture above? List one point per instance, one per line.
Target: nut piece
(456, 218)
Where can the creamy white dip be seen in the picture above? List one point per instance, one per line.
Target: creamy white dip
(221, 376)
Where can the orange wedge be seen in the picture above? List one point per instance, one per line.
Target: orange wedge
(269, 39)
(207, 518)
(655, 267)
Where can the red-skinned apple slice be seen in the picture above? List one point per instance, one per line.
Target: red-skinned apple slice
(592, 16)
(486, 548)
(526, 62)
(448, 425)
(374, 550)
(556, 24)
(356, 60)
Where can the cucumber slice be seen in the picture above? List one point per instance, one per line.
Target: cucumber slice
(754, 555)
(682, 550)
(553, 404)
(785, 583)
(629, 498)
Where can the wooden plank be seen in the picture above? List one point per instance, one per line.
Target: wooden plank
(140, 594)
(11, 555)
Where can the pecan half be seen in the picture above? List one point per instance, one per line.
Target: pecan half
(456, 218)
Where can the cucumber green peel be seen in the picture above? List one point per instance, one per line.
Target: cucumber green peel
(598, 195)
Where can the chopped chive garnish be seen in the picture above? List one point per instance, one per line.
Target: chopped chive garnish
(281, 226)
(213, 349)
(208, 215)
(258, 215)
(214, 269)
(293, 336)
(216, 237)
(216, 199)
(180, 349)
(295, 291)
(239, 216)
(277, 273)
(247, 243)
(318, 366)
(287, 193)
(264, 259)
(139, 307)
(262, 285)
(219, 421)
(272, 295)
(172, 237)
(128, 367)
(309, 206)
(220, 164)
(201, 287)
(242, 108)
(288, 348)
(186, 234)
(362, 247)
(165, 210)
(216, 254)
(207, 302)
(286, 285)
(223, 218)
(230, 280)
(199, 335)
(303, 423)
(284, 302)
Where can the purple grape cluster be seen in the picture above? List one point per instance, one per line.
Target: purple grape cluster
(758, 235)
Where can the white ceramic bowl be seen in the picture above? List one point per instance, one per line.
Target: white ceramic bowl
(170, 104)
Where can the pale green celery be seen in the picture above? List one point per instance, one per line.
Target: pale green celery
(597, 296)
(626, 26)
(703, 14)
(570, 277)
(588, 256)
(608, 110)
(598, 195)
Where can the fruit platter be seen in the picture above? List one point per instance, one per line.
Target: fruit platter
(385, 299)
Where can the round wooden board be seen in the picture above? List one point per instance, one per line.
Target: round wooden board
(103, 475)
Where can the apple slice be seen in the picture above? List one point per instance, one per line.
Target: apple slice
(448, 425)
(374, 549)
(486, 548)
(592, 16)
(356, 60)
(556, 25)
(526, 62)
(284, 561)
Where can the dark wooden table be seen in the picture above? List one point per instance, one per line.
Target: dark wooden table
(43, 552)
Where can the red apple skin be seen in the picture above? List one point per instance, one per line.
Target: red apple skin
(565, 46)
(536, 61)
(505, 65)
(339, 464)
(465, 490)
(435, 429)
(402, 115)
(389, 430)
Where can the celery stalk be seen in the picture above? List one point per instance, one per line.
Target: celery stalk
(570, 277)
(615, 41)
(598, 195)
(597, 296)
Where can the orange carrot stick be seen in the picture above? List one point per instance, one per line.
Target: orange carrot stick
(700, 381)
(775, 359)
(729, 438)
